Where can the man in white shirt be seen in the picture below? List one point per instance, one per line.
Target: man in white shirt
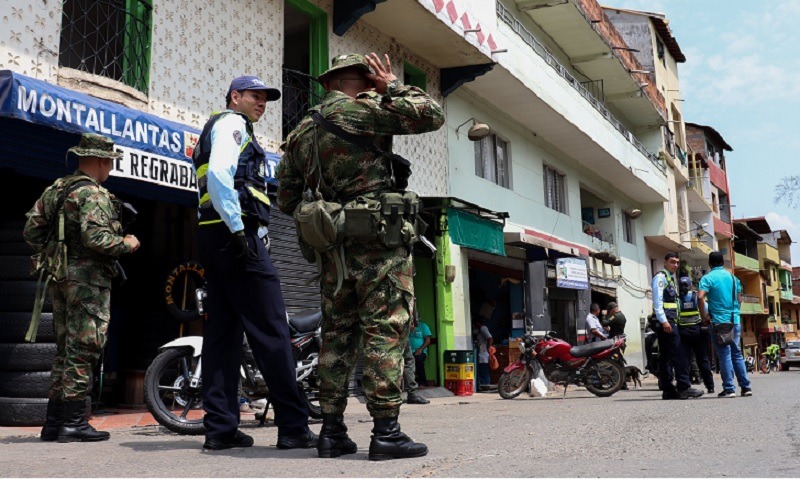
(594, 331)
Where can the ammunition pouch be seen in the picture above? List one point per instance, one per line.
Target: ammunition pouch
(391, 218)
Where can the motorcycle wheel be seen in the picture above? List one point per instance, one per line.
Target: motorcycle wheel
(309, 388)
(763, 365)
(606, 378)
(512, 384)
(170, 398)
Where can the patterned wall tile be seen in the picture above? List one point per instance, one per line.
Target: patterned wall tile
(29, 37)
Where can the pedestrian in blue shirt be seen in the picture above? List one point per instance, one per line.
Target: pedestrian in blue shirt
(718, 294)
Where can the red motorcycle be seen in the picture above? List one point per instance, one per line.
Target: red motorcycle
(599, 366)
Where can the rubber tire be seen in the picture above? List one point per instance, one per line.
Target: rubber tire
(14, 266)
(19, 295)
(613, 389)
(164, 361)
(24, 384)
(14, 327)
(190, 272)
(507, 377)
(27, 356)
(23, 411)
(785, 367)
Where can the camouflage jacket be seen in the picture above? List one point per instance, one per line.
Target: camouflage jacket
(347, 170)
(92, 231)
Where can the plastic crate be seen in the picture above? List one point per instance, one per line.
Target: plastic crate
(459, 371)
(459, 357)
(460, 387)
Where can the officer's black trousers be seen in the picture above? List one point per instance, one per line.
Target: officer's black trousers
(693, 338)
(671, 355)
(244, 295)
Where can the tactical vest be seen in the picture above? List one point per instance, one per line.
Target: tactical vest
(670, 297)
(249, 181)
(689, 313)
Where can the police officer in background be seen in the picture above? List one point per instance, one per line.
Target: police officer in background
(243, 287)
(370, 308)
(671, 353)
(81, 284)
(694, 337)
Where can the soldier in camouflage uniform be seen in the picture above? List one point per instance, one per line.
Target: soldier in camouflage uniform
(94, 239)
(371, 310)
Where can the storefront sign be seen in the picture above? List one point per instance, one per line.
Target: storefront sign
(572, 273)
(156, 150)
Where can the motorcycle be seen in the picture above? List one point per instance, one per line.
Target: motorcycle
(599, 366)
(173, 388)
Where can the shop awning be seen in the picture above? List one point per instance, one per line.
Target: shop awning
(41, 121)
(471, 231)
(539, 247)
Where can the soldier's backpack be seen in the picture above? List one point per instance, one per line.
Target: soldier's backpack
(51, 263)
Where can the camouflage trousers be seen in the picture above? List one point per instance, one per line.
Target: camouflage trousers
(80, 318)
(370, 314)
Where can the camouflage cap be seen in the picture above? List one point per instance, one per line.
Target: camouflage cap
(92, 144)
(353, 60)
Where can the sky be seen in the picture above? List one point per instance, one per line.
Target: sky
(742, 77)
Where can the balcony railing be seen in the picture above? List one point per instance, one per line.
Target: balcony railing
(597, 233)
(669, 141)
(749, 298)
(508, 18)
(785, 258)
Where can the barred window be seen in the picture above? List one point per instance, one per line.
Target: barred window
(555, 189)
(628, 228)
(110, 38)
(301, 91)
(492, 160)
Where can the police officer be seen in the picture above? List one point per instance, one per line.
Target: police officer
(671, 353)
(243, 287)
(370, 308)
(80, 279)
(694, 337)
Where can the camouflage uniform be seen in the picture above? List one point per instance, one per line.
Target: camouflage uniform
(371, 311)
(94, 239)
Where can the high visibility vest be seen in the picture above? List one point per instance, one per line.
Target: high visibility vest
(670, 297)
(689, 311)
(249, 179)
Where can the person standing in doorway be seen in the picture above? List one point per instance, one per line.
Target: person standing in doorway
(718, 296)
(78, 213)
(244, 291)
(485, 341)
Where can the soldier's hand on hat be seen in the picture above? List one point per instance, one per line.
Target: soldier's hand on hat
(383, 73)
(132, 242)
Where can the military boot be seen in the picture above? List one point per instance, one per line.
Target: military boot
(53, 421)
(75, 427)
(389, 443)
(333, 439)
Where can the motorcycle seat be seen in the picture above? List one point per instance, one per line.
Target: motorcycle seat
(590, 349)
(306, 320)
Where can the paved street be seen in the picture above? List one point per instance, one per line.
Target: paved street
(633, 433)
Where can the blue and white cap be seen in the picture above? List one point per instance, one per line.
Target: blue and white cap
(250, 82)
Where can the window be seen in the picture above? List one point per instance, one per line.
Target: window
(414, 76)
(628, 229)
(110, 38)
(660, 50)
(555, 189)
(492, 160)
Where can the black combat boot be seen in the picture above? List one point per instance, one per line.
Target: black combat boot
(389, 443)
(333, 439)
(75, 427)
(55, 417)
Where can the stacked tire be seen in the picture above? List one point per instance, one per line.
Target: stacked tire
(24, 367)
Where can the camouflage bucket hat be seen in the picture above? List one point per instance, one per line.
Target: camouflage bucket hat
(92, 144)
(353, 60)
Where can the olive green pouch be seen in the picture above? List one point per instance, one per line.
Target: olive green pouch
(362, 218)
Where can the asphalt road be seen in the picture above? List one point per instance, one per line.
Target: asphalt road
(631, 434)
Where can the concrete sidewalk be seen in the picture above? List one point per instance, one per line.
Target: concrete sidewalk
(116, 419)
